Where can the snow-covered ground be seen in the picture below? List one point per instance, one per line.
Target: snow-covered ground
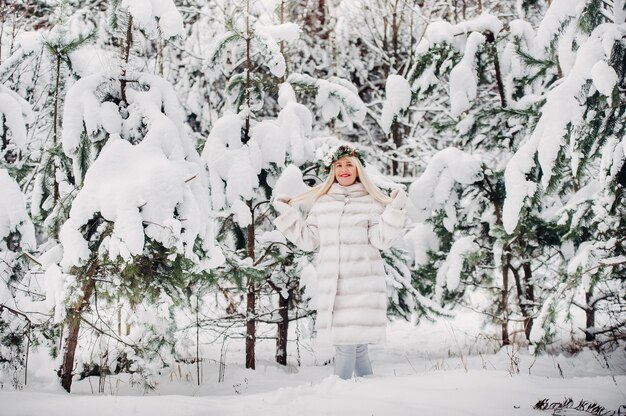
(446, 368)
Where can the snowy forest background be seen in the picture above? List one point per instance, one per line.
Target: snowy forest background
(142, 141)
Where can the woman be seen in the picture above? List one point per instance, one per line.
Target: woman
(350, 221)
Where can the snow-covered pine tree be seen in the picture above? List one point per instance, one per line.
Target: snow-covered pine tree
(485, 120)
(244, 156)
(138, 231)
(575, 157)
(35, 60)
(509, 206)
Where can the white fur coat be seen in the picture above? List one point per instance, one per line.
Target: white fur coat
(350, 228)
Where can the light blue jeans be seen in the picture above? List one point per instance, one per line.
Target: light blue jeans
(352, 359)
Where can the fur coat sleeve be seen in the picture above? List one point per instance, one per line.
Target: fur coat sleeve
(303, 233)
(384, 225)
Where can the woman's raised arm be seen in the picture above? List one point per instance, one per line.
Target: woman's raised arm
(385, 223)
(300, 231)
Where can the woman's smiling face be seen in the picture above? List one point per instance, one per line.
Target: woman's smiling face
(345, 171)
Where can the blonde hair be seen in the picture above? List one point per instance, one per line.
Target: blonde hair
(323, 188)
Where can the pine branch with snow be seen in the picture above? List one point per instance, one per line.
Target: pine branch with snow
(334, 97)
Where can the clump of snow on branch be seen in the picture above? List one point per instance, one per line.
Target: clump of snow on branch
(449, 273)
(436, 32)
(604, 78)
(285, 32)
(297, 122)
(561, 110)
(420, 240)
(266, 38)
(613, 159)
(434, 189)
(26, 44)
(17, 113)
(290, 182)
(467, 37)
(268, 46)
(398, 93)
(154, 16)
(336, 97)
(443, 32)
(89, 61)
(484, 23)
(590, 257)
(144, 195)
(82, 111)
(156, 189)
(463, 80)
(559, 12)
(228, 158)
(29, 42)
(521, 35)
(85, 112)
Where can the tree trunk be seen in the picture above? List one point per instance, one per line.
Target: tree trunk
(126, 57)
(251, 301)
(395, 129)
(55, 127)
(397, 141)
(159, 55)
(530, 299)
(198, 360)
(282, 330)
(412, 41)
(282, 42)
(251, 285)
(250, 327)
(395, 28)
(246, 135)
(74, 315)
(590, 314)
(521, 286)
(496, 63)
(505, 299)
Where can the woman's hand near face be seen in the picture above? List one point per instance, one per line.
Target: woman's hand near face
(283, 198)
(281, 203)
(398, 198)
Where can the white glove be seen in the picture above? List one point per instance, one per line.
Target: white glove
(281, 203)
(399, 199)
